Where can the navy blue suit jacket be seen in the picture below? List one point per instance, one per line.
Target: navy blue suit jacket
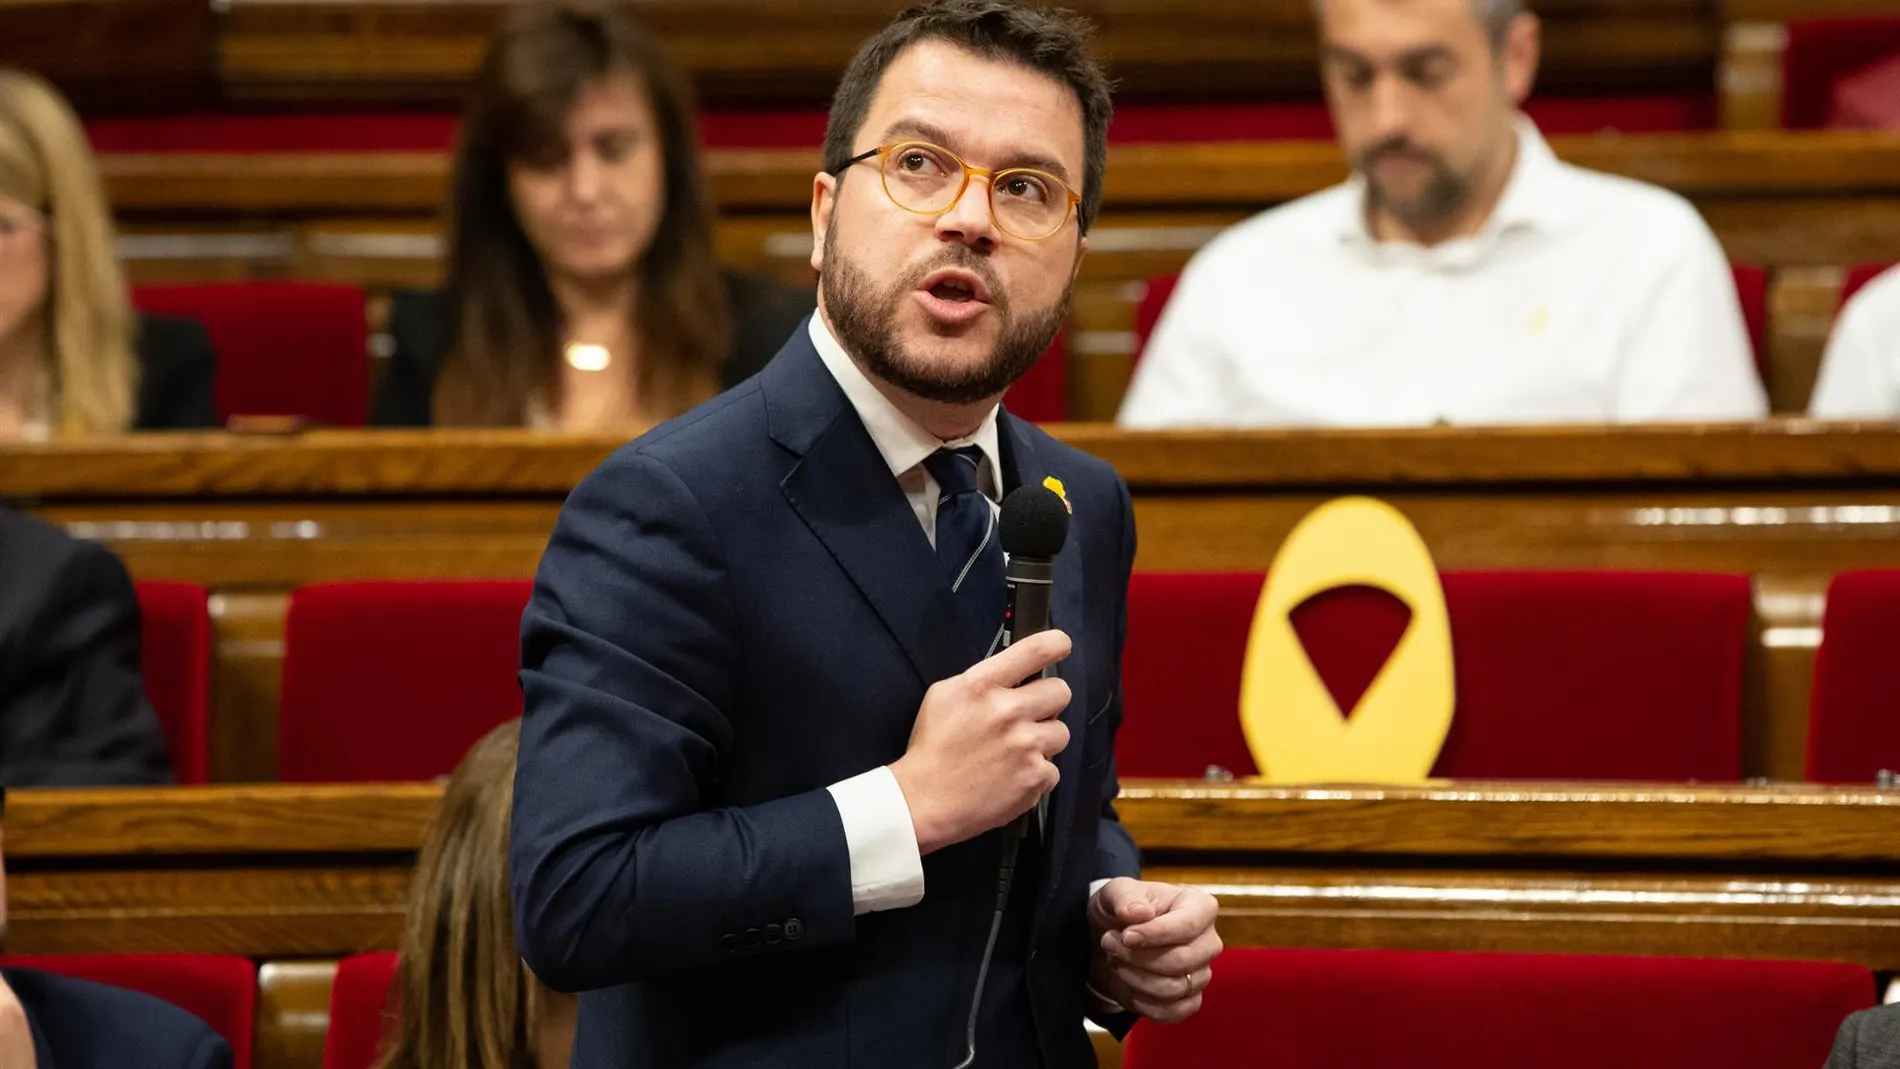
(78, 1024)
(735, 611)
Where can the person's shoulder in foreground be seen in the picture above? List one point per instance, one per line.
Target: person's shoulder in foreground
(1860, 375)
(72, 700)
(1869, 1039)
(78, 1024)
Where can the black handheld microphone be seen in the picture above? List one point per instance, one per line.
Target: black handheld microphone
(1035, 524)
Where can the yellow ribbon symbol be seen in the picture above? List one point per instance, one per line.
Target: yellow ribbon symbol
(1294, 728)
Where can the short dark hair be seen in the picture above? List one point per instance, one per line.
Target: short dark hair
(1052, 41)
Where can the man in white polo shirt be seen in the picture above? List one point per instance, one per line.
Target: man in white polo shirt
(1860, 376)
(1463, 275)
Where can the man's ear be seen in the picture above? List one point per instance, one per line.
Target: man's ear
(1522, 53)
(1081, 251)
(824, 198)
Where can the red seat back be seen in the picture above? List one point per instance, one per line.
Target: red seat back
(396, 680)
(1751, 288)
(220, 991)
(1042, 395)
(1858, 276)
(1560, 675)
(175, 653)
(1822, 51)
(1347, 1009)
(1854, 708)
(284, 348)
(360, 1017)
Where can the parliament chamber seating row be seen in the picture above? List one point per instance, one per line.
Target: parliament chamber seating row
(302, 349)
(1559, 675)
(1742, 64)
(1289, 1008)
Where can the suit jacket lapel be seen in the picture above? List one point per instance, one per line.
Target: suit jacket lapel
(1067, 611)
(843, 490)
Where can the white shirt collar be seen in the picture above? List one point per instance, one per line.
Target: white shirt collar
(1534, 199)
(902, 443)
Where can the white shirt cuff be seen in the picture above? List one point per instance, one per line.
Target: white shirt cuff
(887, 871)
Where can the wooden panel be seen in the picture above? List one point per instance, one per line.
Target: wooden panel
(248, 636)
(1600, 868)
(293, 1014)
(122, 55)
(792, 54)
(1581, 912)
(1808, 165)
(1664, 824)
(229, 909)
(475, 469)
(168, 821)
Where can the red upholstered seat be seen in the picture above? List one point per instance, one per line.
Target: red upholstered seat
(1042, 395)
(360, 1017)
(1822, 51)
(1561, 675)
(395, 680)
(804, 127)
(1854, 708)
(175, 654)
(1751, 286)
(220, 991)
(284, 348)
(1858, 276)
(1346, 1009)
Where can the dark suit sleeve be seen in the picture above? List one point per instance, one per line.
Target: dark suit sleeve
(1846, 1042)
(211, 1052)
(625, 865)
(81, 718)
(1115, 851)
(178, 369)
(764, 315)
(406, 395)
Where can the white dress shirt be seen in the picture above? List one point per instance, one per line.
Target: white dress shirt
(1585, 298)
(1860, 375)
(887, 868)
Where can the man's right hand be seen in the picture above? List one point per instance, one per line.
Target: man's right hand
(983, 748)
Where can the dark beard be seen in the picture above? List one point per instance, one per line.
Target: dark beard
(1444, 196)
(865, 321)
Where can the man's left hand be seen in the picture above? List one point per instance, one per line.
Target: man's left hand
(1158, 946)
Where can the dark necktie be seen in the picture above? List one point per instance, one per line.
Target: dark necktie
(968, 544)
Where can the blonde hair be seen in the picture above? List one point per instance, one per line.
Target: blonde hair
(90, 382)
(467, 1000)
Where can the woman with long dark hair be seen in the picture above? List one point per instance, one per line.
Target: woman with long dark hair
(582, 293)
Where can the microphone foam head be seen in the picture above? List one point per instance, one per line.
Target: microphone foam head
(1035, 522)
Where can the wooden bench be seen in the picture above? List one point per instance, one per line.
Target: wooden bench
(296, 877)
(1790, 503)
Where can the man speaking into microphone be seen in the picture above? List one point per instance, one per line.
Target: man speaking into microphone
(778, 795)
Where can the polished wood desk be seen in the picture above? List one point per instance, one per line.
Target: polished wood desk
(276, 872)
(1789, 502)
